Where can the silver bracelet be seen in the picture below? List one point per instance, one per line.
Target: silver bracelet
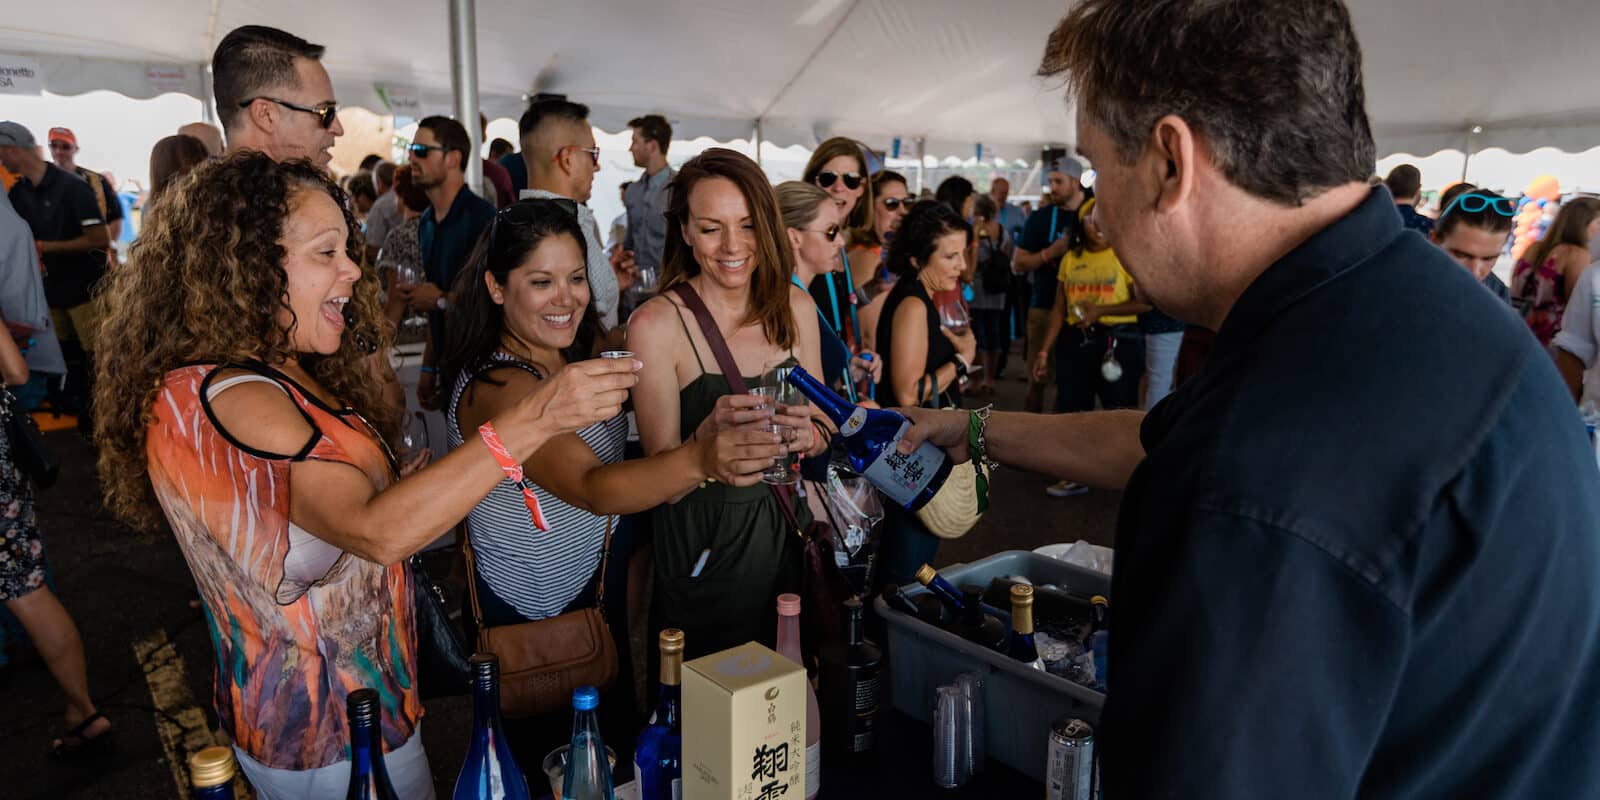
(982, 416)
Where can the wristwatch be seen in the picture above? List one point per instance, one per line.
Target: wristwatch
(440, 303)
(961, 366)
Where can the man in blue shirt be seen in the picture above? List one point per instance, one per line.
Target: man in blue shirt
(1357, 553)
(1044, 240)
(1405, 184)
(447, 231)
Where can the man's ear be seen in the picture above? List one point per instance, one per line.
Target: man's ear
(1172, 153)
(263, 115)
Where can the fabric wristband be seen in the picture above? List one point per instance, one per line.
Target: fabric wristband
(513, 471)
(977, 451)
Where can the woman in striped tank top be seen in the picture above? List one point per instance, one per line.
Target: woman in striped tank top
(522, 311)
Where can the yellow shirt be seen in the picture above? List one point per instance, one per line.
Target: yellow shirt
(1096, 279)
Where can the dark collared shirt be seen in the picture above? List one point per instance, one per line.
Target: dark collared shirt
(1413, 220)
(58, 209)
(446, 243)
(1362, 555)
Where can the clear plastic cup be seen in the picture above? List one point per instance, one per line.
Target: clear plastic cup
(952, 738)
(555, 766)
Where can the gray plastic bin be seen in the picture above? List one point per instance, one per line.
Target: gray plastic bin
(1020, 703)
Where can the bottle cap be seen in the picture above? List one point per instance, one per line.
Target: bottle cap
(1099, 600)
(212, 766)
(789, 605)
(925, 573)
(1021, 595)
(852, 607)
(671, 641)
(585, 698)
(362, 706)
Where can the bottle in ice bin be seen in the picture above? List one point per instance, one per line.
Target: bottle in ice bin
(1099, 638)
(870, 438)
(975, 625)
(789, 647)
(1022, 646)
(658, 756)
(941, 588)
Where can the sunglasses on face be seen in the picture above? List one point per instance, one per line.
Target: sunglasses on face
(422, 150)
(1474, 202)
(522, 213)
(60, 146)
(831, 233)
(897, 203)
(826, 178)
(325, 114)
(594, 153)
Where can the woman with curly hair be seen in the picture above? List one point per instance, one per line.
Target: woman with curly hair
(241, 402)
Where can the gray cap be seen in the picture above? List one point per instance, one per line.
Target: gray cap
(1068, 166)
(12, 134)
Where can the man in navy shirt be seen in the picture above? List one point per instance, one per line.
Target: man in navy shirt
(1405, 183)
(1359, 552)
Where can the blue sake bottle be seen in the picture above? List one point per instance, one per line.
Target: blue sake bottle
(369, 778)
(588, 773)
(941, 588)
(1022, 647)
(658, 755)
(1099, 642)
(489, 772)
(211, 773)
(870, 438)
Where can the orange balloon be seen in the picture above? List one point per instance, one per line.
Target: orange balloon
(1544, 187)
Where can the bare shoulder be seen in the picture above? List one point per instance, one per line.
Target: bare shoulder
(260, 415)
(800, 299)
(655, 316)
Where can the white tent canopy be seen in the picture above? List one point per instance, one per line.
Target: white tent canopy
(954, 73)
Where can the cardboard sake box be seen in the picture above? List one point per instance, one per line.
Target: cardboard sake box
(744, 726)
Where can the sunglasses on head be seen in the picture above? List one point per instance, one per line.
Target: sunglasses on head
(1474, 202)
(325, 114)
(522, 213)
(826, 178)
(896, 203)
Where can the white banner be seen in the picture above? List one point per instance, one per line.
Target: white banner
(402, 100)
(20, 75)
(169, 78)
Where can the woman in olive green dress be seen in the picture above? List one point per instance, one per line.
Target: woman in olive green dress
(722, 554)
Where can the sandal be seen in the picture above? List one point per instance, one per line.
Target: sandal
(73, 744)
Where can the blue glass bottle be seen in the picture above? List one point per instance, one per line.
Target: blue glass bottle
(1100, 638)
(588, 774)
(369, 778)
(1022, 646)
(941, 588)
(870, 438)
(211, 773)
(658, 755)
(489, 772)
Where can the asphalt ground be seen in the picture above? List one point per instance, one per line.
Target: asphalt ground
(150, 659)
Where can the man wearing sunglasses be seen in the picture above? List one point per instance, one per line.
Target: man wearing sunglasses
(64, 151)
(274, 96)
(1473, 229)
(559, 150)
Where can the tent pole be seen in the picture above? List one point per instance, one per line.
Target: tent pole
(208, 93)
(756, 138)
(464, 83)
(922, 155)
(1466, 158)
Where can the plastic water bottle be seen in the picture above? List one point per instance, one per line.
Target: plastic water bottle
(588, 773)
(870, 439)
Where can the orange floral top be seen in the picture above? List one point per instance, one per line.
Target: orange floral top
(297, 624)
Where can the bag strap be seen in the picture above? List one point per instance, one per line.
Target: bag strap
(730, 370)
(472, 573)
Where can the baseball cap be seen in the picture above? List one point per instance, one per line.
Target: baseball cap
(1068, 166)
(12, 134)
(62, 135)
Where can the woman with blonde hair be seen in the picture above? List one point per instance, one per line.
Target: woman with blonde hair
(722, 553)
(1545, 275)
(240, 405)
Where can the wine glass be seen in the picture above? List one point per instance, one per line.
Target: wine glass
(786, 393)
(953, 315)
(413, 437)
(407, 274)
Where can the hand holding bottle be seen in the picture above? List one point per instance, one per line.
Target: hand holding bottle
(944, 428)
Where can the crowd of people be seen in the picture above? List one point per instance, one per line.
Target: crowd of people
(250, 405)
